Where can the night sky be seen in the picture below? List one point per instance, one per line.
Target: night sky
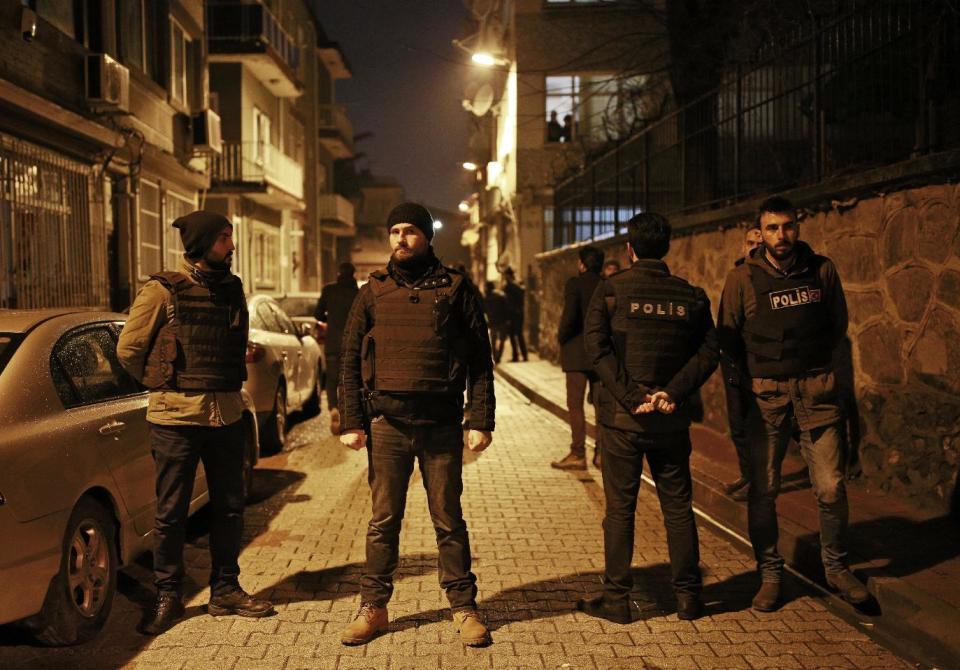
(406, 88)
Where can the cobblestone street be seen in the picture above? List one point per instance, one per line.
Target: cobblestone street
(537, 545)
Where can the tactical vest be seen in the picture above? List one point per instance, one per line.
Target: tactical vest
(654, 335)
(202, 346)
(414, 336)
(789, 333)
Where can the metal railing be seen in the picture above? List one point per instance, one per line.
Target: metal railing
(876, 86)
(53, 237)
(233, 23)
(335, 117)
(257, 163)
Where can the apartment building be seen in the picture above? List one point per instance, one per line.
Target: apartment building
(554, 81)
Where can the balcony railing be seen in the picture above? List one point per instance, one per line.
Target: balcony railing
(246, 27)
(336, 130)
(838, 97)
(261, 164)
(336, 214)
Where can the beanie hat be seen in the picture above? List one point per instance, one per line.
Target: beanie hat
(414, 214)
(199, 231)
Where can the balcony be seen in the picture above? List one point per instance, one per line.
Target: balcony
(336, 214)
(336, 131)
(245, 31)
(261, 172)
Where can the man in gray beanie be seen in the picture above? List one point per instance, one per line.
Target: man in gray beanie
(194, 411)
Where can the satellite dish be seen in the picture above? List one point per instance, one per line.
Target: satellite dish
(482, 100)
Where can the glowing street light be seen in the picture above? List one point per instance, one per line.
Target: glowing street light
(469, 165)
(464, 206)
(483, 58)
(437, 224)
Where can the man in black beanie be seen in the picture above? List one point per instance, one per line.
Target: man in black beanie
(194, 411)
(416, 337)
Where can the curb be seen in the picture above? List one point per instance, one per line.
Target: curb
(913, 622)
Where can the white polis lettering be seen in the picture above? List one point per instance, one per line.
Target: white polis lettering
(794, 297)
(658, 309)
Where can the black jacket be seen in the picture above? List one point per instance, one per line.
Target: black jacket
(333, 308)
(576, 300)
(421, 408)
(495, 306)
(515, 298)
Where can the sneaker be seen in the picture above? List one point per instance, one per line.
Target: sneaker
(571, 461)
(851, 589)
(167, 610)
(615, 611)
(370, 620)
(240, 603)
(768, 597)
(473, 632)
(334, 421)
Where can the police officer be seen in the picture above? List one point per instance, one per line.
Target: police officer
(415, 338)
(781, 315)
(185, 340)
(333, 308)
(652, 341)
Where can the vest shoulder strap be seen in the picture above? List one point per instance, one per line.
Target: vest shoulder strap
(175, 282)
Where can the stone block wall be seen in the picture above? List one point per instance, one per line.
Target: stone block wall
(898, 256)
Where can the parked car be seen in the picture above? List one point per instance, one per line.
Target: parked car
(77, 494)
(301, 312)
(284, 370)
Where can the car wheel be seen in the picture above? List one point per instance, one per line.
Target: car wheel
(312, 407)
(275, 428)
(80, 597)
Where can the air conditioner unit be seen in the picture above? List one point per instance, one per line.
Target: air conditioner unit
(108, 84)
(206, 131)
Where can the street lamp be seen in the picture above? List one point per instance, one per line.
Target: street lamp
(470, 166)
(437, 224)
(464, 206)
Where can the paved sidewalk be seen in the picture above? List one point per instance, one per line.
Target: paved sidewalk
(909, 557)
(538, 547)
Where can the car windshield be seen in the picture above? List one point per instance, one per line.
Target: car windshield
(8, 344)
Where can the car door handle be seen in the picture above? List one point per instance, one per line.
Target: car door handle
(112, 428)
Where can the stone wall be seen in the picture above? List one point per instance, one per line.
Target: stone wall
(898, 256)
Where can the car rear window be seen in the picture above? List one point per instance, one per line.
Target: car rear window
(8, 344)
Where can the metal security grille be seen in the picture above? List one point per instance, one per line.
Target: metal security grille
(53, 242)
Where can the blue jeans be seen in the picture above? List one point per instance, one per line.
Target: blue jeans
(822, 449)
(391, 452)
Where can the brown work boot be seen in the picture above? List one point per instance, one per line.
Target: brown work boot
(371, 619)
(851, 589)
(473, 632)
(334, 421)
(768, 597)
(240, 603)
(571, 461)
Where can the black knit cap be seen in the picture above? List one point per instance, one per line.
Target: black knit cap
(415, 215)
(199, 231)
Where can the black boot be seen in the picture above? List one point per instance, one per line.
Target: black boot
(167, 610)
(689, 607)
(239, 602)
(617, 611)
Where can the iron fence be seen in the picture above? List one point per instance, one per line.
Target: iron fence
(53, 238)
(873, 87)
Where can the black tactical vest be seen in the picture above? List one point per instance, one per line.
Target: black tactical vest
(202, 346)
(414, 336)
(789, 333)
(654, 326)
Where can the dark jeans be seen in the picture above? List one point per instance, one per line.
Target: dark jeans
(333, 378)
(391, 452)
(739, 398)
(176, 452)
(823, 451)
(668, 455)
(577, 383)
(517, 340)
(498, 338)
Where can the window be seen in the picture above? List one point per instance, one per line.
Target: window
(261, 136)
(266, 254)
(286, 325)
(563, 104)
(131, 33)
(178, 63)
(174, 206)
(266, 319)
(85, 368)
(599, 107)
(150, 236)
(57, 13)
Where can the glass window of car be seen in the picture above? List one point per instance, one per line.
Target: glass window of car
(266, 316)
(286, 325)
(85, 368)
